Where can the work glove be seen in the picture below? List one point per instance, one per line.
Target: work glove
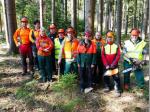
(92, 66)
(112, 66)
(18, 45)
(107, 67)
(59, 61)
(45, 50)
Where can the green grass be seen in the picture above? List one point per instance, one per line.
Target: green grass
(27, 92)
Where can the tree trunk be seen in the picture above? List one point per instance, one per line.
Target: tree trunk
(74, 13)
(0, 23)
(119, 20)
(5, 22)
(107, 16)
(146, 17)
(115, 15)
(65, 10)
(12, 24)
(41, 13)
(127, 17)
(135, 11)
(53, 11)
(101, 14)
(89, 15)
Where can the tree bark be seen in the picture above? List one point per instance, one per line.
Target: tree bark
(74, 13)
(65, 10)
(53, 11)
(101, 14)
(135, 11)
(127, 17)
(41, 13)
(5, 22)
(146, 17)
(11, 23)
(89, 15)
(119, 20)
(107, 16)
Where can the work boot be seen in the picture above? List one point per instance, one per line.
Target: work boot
(117, 94)
(88, 89)
(82, 90)
(126, 87)
(106, 89)
(24, 71)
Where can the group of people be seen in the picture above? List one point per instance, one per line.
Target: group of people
(94, 59)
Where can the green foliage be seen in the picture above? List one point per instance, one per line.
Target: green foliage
(146, 93)
(80, 26)
(125, 37)
(72, 105)
(67, 82)
(27, 8)
(27, 92)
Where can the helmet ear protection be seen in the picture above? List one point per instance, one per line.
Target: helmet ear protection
(110, 34)
(24, 19)
(71, 29)
(61, 31)
(135, 32)
(52, 26)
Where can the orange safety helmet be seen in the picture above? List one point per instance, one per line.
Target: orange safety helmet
(24, 19)
(88, 33)
(61, 31)
(110, 34)
(70, 29)
(52, 26)
(135, 32)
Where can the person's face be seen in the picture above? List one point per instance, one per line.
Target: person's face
(42, 33)
(24, 24)
(87, 37)
(52, 30)
(98, 36)
(134, 38)
(37, 26)
(61, 35)
(109, 39)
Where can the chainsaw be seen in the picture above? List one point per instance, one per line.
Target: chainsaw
(134, 67)
(111, 72)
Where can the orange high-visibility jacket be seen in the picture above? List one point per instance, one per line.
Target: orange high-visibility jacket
(34, 34)
(23, 35)
(69, 49)
(43, 43)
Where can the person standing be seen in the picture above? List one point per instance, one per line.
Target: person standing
(58, 43)
(44, 46)
(110, 56)
(134, 51)
(52, 35)
(21, 39)
(69, 51)
(34, 34)
(98, 69)
(86, 60)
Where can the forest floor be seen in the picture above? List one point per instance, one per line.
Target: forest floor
(21, 94)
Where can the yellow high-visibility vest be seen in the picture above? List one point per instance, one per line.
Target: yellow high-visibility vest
(57, 47)
(111, 49)
(134, 50)
(70, 48)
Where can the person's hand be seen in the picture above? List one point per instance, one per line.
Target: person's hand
(78, 65)
(45, 50)
(137, 62)
(59, 62)
(112, 66)
(18, 45)
(92, 66)
(107, 67)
